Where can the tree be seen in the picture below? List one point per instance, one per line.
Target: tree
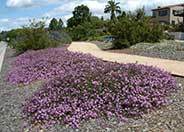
(96, 22)
(102, 18)
(60, 24)
(140, 14)
(122, 15)
(81, 14)
(71, 22)
(113, 8)
(53, 24)
(128, 31)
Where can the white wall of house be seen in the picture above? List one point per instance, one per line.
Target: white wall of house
(173, 18)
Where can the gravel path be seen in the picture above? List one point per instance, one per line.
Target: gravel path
(169, 49)
(167, 119)
(11, 99)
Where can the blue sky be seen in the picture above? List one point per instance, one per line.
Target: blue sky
(16, 13)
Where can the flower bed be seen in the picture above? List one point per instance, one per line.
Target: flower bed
(81, 87)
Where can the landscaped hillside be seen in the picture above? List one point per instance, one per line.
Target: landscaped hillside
(47, 86)
(79, 87)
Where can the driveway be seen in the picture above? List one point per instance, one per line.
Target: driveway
(174, 67)
(3, 46)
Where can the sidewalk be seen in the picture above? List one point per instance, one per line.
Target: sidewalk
(3, 46)
(172, 66)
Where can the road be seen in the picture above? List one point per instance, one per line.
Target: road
(3, 46)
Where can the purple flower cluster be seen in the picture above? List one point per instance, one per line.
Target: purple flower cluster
(82, 87)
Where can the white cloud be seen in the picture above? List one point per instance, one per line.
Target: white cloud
(63, 8)
(134, 4)
(19, 3)
(7, 24)
(4, 20)
(96, 7)
(28, 3)
(3, 29)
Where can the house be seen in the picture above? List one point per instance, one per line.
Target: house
(172, 14)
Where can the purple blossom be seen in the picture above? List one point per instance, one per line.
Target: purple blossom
(80, 87)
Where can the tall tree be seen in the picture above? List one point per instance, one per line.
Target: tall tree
(60, 24)
(113, 8)
(53, 24)
(81, 14)
(140, 14)
(122, 15)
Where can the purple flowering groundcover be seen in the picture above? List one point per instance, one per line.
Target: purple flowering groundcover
(81, 87)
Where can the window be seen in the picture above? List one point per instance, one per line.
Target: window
(173, 22)
(154, 14)
(163, 13)
(174, 12)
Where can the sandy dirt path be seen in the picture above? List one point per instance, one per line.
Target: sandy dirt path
(172, 66)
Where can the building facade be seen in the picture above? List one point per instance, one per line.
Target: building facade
(172, 14)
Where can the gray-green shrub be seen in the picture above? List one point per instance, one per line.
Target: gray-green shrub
(35, 36)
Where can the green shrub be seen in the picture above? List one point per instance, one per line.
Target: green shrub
(121, 43)
(87, 30)
(35, 37)
(128, 31)
(78, 33)
(179, 27)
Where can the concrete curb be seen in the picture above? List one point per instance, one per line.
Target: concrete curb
(3, 46)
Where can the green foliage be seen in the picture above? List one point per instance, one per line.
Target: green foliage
(13, 33)
(60, 24)
(55, 24)
(179, 27)
(113, 8)
(122, 15)
(2, 35)
(82, 26)
(132, 29)
(81, 32)
(81, 14)
(140, 14)
(34, 37)
(90, 30)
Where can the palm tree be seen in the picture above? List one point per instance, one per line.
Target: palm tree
(113, 8)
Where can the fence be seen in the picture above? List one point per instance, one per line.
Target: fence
(177, 35)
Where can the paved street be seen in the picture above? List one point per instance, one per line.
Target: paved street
(3, 46)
